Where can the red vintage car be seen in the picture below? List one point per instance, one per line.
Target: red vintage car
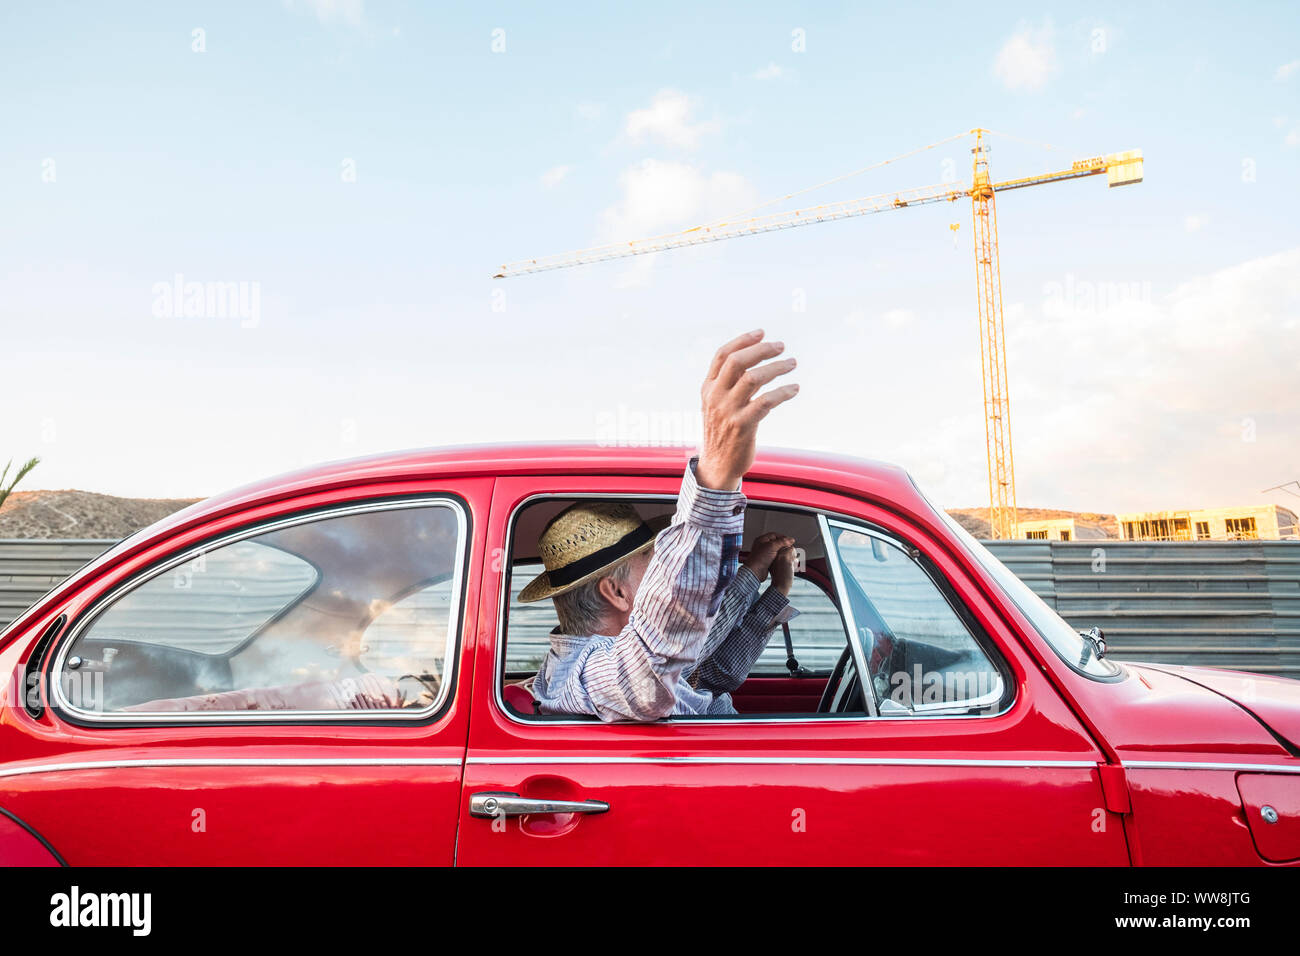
(329, 668)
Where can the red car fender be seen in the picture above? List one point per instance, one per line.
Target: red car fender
(20, 845)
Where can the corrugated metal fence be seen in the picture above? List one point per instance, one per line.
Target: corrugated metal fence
(31, 566)
(1228, 604)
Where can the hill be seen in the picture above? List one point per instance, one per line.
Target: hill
(81, 514)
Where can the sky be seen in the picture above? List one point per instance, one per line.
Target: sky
(351, 174)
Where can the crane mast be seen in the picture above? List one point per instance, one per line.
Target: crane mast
(993, 348)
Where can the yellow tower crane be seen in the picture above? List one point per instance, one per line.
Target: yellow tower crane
(1121, 169)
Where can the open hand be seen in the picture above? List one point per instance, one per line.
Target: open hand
(732, 408)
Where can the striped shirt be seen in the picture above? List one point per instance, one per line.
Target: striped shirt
(669, 659)
(738, 635)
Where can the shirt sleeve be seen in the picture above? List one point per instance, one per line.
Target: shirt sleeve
(633, 676)
(727, 667)
(737, 599)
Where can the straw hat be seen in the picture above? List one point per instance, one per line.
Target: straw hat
(584, 541)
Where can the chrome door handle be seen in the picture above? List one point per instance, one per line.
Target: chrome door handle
(513, 805)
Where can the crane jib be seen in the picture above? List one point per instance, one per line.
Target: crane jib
(1121, 169)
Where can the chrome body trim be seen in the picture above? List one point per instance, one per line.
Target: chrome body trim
(19, 771)
(792, 761)
(1209, 765)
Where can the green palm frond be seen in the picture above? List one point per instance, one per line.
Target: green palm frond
(21, 474)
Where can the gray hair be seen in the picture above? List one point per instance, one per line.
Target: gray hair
(582, 610)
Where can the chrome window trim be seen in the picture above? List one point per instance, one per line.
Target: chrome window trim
(503, 609)
(231, 762)
(865, 689)
(87, 617)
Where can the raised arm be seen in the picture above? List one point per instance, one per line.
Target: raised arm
(731, 654)
(633, 675)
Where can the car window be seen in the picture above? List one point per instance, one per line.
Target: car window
(410, 635)
(530, 624)
(213, 602)
(351, 611)
(920, 655)
(816, 635)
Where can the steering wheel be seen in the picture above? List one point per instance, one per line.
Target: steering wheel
(845, 670)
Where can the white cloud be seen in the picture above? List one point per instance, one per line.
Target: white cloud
(773, 71)
(555, 175)
(1293, 137)
(861, 321)
(1195, 222)
(668, 119)
(349, 12)
(1027, 59)
(1147, 397)
(1287, 70)
(662, 196)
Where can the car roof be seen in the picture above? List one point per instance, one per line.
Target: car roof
(878, 481)
(854, 475)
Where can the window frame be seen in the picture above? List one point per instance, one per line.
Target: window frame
(823, 517)
(455, 626)
(988, 647)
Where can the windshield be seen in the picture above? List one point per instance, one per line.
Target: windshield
(1068, 643)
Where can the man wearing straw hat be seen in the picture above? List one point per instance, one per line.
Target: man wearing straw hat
(636, 608)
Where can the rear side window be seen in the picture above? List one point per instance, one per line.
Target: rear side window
(213, 602)
(346, 613)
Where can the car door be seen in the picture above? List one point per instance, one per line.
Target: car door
(1019, 785)
(286, 686)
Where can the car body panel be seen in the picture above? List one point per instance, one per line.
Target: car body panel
(1271, 700)
(811, 790)
(216, 792)
(1143, 768)
(20, 845)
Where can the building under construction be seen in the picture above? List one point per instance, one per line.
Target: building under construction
(1060, 529)
(1250, 522)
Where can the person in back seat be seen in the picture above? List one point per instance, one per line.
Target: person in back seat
(630, 642)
